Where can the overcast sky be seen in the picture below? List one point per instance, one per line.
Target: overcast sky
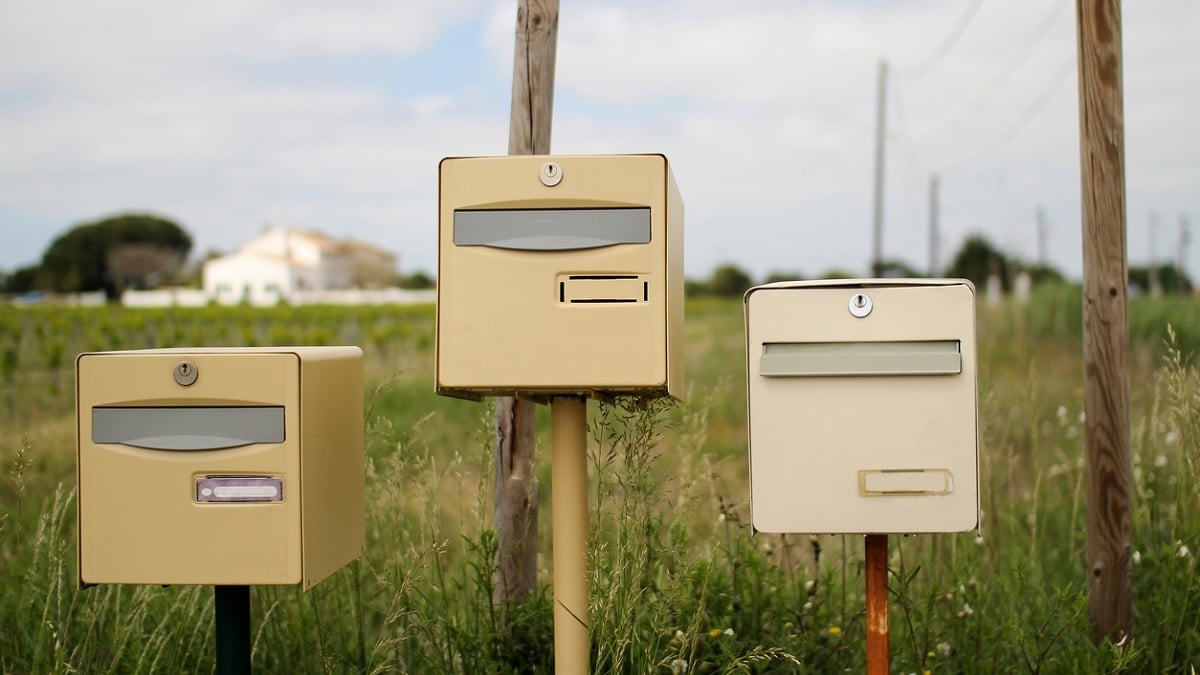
(230, 115)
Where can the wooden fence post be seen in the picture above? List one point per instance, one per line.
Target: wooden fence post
(1105, 332)
(516, 497)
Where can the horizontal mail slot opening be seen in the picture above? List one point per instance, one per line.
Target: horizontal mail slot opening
(188, 428)
(835, 359)
(881, 482)
(552, 229)
(602, 289)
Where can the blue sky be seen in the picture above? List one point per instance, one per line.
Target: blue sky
(228, 116)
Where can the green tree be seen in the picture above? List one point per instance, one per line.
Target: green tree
(729, 281)
(128, 250)
(1170, 279)
(977, 260)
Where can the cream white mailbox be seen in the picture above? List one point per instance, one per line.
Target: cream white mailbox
(559, 275)
(862, 406)
(219, 466)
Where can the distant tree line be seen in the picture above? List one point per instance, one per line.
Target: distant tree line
(977, 260)
(132, 250)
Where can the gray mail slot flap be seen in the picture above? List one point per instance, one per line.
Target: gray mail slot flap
(188, 428)
(835, 359)
(552, 229)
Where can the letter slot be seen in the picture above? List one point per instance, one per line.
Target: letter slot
(842, 359)
(551, 229)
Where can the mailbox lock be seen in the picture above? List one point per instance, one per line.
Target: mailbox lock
(186, 373)
(550, 174)
(860, 304)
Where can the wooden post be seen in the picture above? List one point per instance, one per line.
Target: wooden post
(879, 658)
(1105, 330)
(516, 499)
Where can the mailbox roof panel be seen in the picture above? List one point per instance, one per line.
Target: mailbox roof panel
(860, 283)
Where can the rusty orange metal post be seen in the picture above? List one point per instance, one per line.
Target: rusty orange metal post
(878, 652)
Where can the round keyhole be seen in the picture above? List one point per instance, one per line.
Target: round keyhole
(550, 174)
(860, 304)
(186, 373)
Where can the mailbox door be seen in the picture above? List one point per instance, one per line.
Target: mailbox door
(862, 425)
(175, 482)
(553, 288)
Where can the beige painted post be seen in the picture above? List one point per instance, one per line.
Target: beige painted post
(1105, 332)
(568, 466)
(516, 498)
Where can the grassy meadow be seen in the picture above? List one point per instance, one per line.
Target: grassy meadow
(679, 584)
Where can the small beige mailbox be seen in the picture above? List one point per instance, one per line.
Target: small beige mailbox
(862, 406)
(559, 275)
(219, 466)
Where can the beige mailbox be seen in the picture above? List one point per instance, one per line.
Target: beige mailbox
(559, 275)
(219, 466)
(862, 406)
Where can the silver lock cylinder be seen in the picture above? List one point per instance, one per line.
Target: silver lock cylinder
(861, 305)
(185, 373)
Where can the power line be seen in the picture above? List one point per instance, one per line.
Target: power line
(1031, 111)
(948, 43)
(1022, 53)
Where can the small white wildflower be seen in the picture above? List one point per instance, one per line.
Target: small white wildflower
(1182, 551)
(944, 649)
(1172, 437)
(1160, 461)
(808, 585)
(965, 611)
(807, 607)
(679, 634)
(729, 632)
(1082, 417)
(679, 666)
(1136, 557)
(1061, 412)
(720, 517)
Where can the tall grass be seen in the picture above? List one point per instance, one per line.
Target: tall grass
(679, 582)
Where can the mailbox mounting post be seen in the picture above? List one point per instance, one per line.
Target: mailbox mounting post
(233, 629)
(878, 655)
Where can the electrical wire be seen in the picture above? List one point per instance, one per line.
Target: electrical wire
(1023, 53)
(935, 59)
(1028, 115)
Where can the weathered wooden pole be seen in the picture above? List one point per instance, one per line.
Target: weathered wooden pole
(1105, 329)
(516, 499)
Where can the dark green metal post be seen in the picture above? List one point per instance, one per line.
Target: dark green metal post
(233, 630)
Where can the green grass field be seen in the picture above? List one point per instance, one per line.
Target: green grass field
(678, 581)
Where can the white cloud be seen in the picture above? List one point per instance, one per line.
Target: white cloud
(227, 115)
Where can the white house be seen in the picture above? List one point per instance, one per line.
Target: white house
(281, 263)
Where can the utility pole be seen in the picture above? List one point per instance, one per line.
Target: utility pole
(880, 132)
(1041, 237)
(1155, 282)
(935, 266)
(516, 486)
(1185, 237)
(1105, 321)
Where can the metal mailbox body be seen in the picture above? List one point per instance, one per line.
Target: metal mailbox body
(862, 406)
(559, 286)
(252, 473)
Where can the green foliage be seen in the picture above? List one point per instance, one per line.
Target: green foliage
(1169, 278)
(679, 580)
(977, 260)
(418, 280)
(113, 253)
(727, 281)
